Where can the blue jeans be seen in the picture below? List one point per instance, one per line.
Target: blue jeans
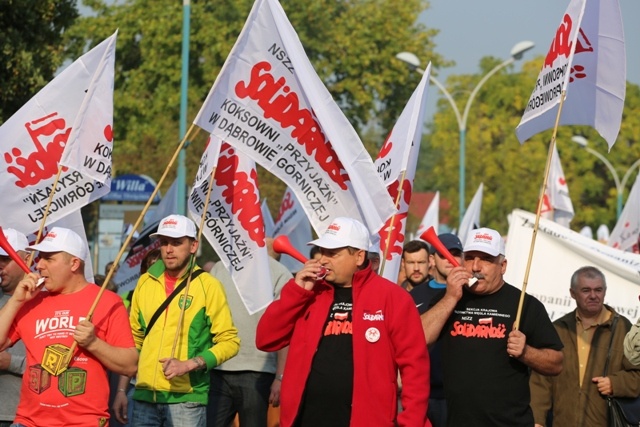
(245, 393)
(147, 414)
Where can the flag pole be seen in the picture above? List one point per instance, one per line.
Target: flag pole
(543, 189)
(393, 218)
(72, 350)
(199, 237)
(46, 214)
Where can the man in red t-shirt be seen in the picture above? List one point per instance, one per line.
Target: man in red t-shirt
(48, 323)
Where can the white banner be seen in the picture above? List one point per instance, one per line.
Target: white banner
(234, 226)
(269, 103)
(33, 140)
(559, 252)
(587, 58)
(557, 205)
(396, 165)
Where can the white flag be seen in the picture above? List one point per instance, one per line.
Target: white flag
(557, 204)
(293, 223)
(431, 216)
(90, 143)
(587, 58)
(396, 165)
(270, 104)
(234, 225)
(625, 234)
(33, 140)
(471, 218)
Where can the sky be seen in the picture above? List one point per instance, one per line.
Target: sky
(472, 29)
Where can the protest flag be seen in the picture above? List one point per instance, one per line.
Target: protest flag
(557, 205)
(396, 164)
(270, 104)
(37, 188)
(431, 217)
(228, 207)
(471, 219)
(589, 40)
(293, 223)
(627, 230)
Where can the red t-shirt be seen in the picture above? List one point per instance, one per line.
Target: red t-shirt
(78, 396)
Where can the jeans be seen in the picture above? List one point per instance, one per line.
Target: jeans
(189, 414)
(245, 393)
(437, 412)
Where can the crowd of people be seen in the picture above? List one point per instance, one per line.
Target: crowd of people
(450, 345)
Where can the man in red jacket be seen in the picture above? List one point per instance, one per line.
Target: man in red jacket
(348, 335)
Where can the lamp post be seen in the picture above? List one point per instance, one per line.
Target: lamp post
(181, 181)
(620, 185)
(516, 53)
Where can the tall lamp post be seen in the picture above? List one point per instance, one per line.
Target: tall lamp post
(181, 179)
(620, 185)
(516, 53)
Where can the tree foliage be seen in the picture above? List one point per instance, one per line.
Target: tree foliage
(513, 173)
(350, 43)
(31, 45)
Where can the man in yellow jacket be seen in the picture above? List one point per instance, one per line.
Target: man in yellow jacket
(172, 385)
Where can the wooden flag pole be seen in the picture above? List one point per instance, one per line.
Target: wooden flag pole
(186, 288)
(543, 189)
(72, 350)
(46, 214)
(393, 219)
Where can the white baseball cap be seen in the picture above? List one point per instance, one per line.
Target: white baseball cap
(16, 239)
(485, 240)
(176, 226)
(62, 240)
(343, 232)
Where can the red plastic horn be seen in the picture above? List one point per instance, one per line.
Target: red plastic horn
(431, 237)
(4, 244)
(282, 245)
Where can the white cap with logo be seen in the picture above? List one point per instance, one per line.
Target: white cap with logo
(16, 239)
(176, 226)
(343, 232)
(485, 240)
(62, 240)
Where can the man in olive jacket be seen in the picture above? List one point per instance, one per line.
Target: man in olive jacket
(577, 395)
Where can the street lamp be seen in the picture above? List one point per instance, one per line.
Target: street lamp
(516, 53)
(620, 185)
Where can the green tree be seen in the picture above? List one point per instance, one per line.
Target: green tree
(350, 43)
(30, 47)
(513, 173)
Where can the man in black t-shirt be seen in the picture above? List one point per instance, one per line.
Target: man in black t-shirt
(486, 363)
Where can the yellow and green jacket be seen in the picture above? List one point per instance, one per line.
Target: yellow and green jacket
(207, 330)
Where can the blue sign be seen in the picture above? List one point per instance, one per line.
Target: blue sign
(132, 188)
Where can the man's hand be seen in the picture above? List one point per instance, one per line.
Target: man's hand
(5, 360)
(516, 344)
(85, 334)
(604, 385)
(176, 368)
(306, 278)
(274, 396)
(456, 280)
(120, 406)
(27, 288)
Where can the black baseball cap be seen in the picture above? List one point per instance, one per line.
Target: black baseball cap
(450, 241)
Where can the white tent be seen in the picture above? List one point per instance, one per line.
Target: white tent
(559, 252)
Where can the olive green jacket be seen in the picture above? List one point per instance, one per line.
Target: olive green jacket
(575, 405)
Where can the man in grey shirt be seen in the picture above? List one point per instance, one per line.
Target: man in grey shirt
(12, 360)
(248, 383)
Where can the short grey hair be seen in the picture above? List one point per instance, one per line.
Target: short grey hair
(589, 272)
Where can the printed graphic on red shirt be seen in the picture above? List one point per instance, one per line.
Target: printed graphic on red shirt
(339, 322)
